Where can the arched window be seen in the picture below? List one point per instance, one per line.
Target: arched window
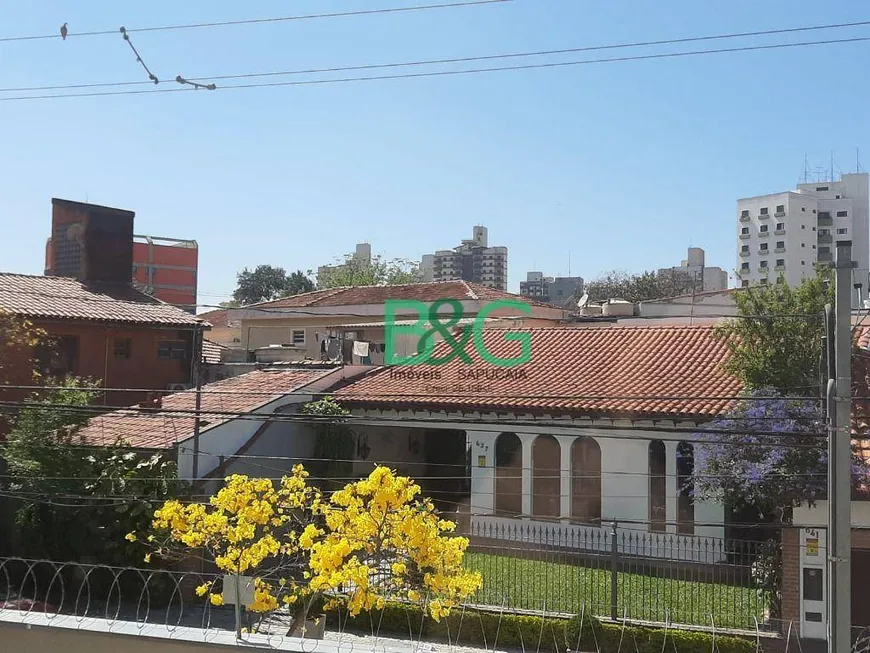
(508, 474)
(657, 486)
(546, 476)
(685, 491)
(586, 480)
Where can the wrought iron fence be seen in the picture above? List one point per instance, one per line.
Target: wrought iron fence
(619, 573)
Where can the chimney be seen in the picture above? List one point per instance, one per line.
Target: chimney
(91, 243)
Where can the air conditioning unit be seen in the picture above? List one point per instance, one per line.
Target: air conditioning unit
(179, 387)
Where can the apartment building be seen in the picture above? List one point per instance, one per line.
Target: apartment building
(707, 278)
(788, 233)
(472, 260)
(551, 290)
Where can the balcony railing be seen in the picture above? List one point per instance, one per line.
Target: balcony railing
(745, 218)
(745, 236)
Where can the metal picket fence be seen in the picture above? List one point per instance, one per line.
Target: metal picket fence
(618, 573)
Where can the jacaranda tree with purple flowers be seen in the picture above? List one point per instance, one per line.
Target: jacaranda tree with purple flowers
(769, 453)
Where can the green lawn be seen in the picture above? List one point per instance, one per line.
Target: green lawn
(526, 584)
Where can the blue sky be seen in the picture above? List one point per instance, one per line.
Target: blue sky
(623, 165)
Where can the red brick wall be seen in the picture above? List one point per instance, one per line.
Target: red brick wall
(165, 255)
(96, 360)
(791, 569)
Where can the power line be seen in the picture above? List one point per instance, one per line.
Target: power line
(577, 397)
(255, 21)
(602, 431)
(446, 73)
(454, 60)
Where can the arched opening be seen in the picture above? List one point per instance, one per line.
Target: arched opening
(657, 487)
(685, 490)
(508, 474)
(586, 480)
(546, 476)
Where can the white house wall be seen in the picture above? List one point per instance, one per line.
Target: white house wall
(222, 442)
(624, 469)
(275, 451)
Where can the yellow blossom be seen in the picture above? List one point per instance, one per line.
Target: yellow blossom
(216, 599)
(202, 589)
(130, 537)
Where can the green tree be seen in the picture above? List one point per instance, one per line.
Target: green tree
(334, 444)
(355, 271)
(266, 282)
(777, 341)
(76, 502)
(645, 286)
(19, 337)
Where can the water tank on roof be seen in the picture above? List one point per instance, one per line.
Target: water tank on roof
(618, 308)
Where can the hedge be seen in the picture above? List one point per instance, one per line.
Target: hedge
(525, 631)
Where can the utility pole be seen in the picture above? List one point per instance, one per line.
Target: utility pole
(197, 379)
(840, 462)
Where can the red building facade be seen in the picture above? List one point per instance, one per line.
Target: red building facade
(113, 334)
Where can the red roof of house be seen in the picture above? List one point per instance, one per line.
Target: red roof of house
(425, 292)
(211, 351)
(162, 429)
(632, 371)
(62, 298)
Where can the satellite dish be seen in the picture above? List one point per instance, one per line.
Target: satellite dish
(581, 303)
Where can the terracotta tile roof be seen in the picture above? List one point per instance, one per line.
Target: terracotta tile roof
(68, 299)
(637, 371)
(155, 429)
(426, 292)
(220, 318)
(211, 351)
(217, 318)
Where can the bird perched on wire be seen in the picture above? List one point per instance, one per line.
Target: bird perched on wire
(63, 31)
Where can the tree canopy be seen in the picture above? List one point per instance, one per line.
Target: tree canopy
(355, 271)
(372, 540)
(777, 340)
(59, 478)
(619, 284)
(266, 282)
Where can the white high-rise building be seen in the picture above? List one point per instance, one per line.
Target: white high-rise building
(473, 260)
(789, 233)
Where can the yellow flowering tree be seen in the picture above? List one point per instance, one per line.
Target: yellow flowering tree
(379, 540)
(375, 539)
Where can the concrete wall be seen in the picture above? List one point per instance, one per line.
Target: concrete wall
(37, 633)
(707, 304)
